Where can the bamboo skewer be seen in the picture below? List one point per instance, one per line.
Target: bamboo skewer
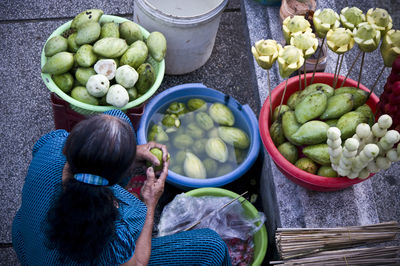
(351, 68)
(376, 82)
(283, 96)
(305, 75)
(359, 75)
(300, 242)
(336, 68)
(360, 256)
(269, 94)
(337, 75)
(318, 57)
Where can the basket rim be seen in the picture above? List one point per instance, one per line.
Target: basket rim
(48, 81)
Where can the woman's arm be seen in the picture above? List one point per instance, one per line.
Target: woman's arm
(151, 192)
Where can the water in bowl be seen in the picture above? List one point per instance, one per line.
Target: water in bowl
(213, 167)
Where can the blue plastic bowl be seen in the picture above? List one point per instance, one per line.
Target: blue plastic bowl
(245, 118)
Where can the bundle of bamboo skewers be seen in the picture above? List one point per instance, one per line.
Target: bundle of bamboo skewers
(323, 244)
(346, 257)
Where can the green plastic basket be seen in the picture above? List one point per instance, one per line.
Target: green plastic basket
(260, 238)
(84, 108)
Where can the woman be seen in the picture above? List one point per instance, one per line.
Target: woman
(74, 212)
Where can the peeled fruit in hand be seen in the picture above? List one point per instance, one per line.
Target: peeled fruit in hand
(193, 167)
(159, 154)
(221, 114)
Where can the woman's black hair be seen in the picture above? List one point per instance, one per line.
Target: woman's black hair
(82, 219)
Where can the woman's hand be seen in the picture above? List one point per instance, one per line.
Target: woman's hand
(154, 187)
(143, 153)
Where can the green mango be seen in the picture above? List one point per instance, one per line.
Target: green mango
(359, 95)
(90, 15)
(293, 99)
(110, 47)
(204, 120)
(197, 104)
(193, 130)
(327, 171)
(81, 94)
(64, 81)
(331, 122)
(276, 132)
(55, 45)
(312, 132)
(159, 154)
(312, 106)
(182, 141)
(211, 166)
(199, 146)
(130, 31)
(59, 63)
(157, 134)
(88, 33)
(147, 76)
(132, 94)
(221, 114)
(306, 164)
(109, 29)
(72, 46)
(83, 74)
(284, 108)
(367, 112)
(234, 136)
(338, 105)
(328, 90)
(318, 153)
(157, 45)
(289, 151)
(85, 57)
(348, 123)
(290, 126)
(240, 155)
(135, 55)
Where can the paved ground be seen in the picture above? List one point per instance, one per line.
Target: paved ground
(25, 108)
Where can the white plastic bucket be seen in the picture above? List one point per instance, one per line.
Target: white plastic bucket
(190, 27)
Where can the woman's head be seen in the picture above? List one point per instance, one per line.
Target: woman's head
(81, 221)
(102, 145)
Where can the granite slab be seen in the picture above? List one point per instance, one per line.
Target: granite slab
(290, 205)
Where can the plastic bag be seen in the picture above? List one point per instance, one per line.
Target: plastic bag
(231, 222)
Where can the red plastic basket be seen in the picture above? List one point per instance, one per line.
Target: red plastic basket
(66, 118)
(300, 177)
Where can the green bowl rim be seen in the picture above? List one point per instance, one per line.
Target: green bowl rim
(250, 207)
(54, 88)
